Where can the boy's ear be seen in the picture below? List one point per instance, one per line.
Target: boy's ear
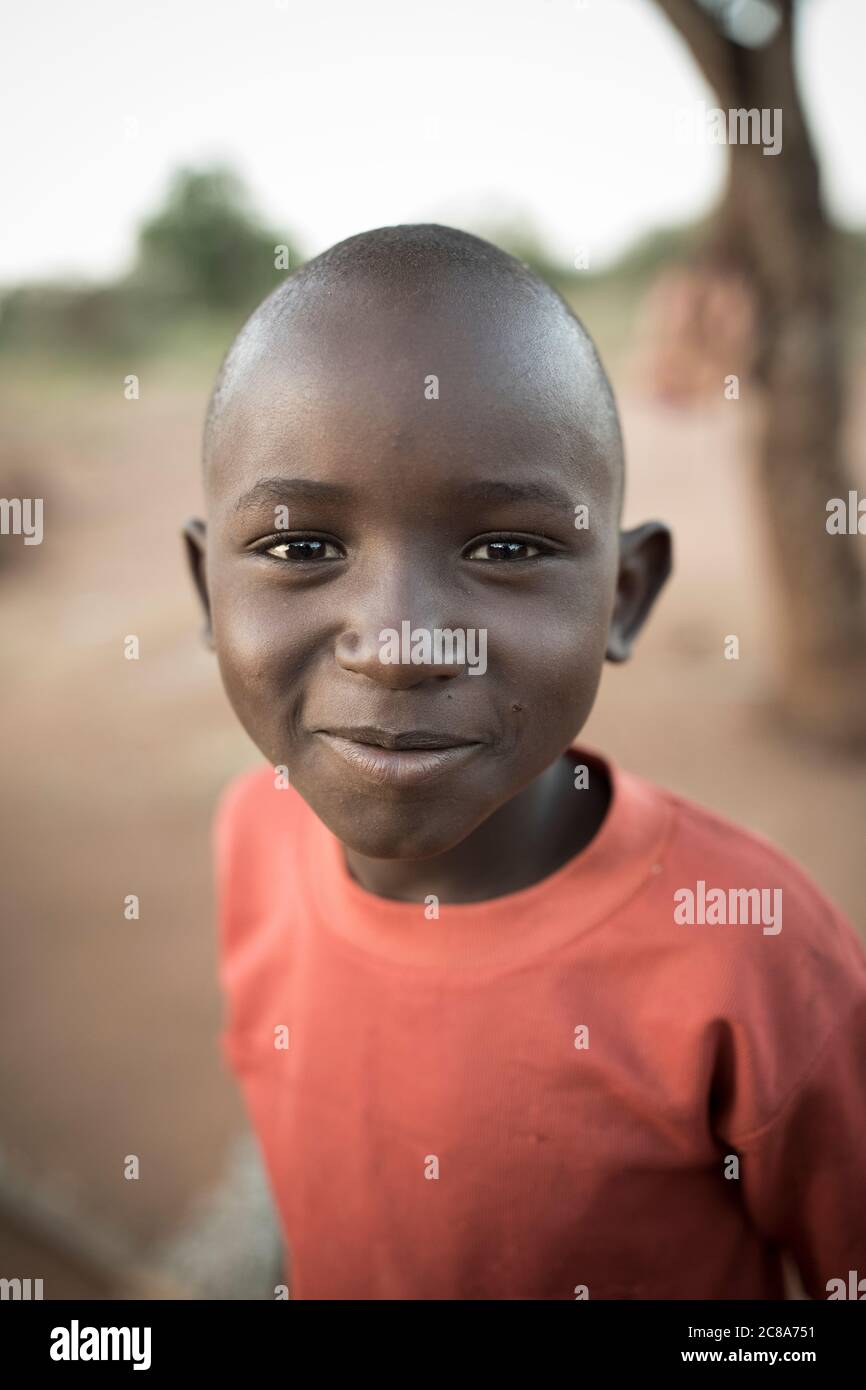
(645, 556)
(195, 539)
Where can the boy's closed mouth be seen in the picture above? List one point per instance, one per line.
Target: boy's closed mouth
(401, 758)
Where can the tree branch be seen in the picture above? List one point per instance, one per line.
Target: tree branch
(709, 47)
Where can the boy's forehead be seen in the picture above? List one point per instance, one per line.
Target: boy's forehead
(461, 380)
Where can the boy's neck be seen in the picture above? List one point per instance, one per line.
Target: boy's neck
(527, 839)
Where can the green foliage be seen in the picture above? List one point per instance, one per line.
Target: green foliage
(205, 247)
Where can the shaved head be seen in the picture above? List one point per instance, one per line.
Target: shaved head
(418, 270)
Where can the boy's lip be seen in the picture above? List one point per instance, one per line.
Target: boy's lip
(399, 766)
(410, 740)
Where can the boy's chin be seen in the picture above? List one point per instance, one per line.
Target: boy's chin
(400, 832)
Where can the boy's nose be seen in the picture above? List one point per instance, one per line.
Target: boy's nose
(399, 657)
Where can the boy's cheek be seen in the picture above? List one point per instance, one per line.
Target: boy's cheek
(561, 654)
(559, 682)
(258, 667)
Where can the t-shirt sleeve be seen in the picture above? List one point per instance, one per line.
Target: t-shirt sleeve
(803, 1173)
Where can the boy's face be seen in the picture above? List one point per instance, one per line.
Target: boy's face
(345, 500)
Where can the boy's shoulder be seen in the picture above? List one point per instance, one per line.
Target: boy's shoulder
(711, 843)
(255, 812)
(727, 885)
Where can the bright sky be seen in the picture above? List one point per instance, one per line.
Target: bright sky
(351, 115)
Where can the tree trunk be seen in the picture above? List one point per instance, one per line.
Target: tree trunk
(772, 227)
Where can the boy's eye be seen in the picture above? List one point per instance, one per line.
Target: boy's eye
(510, 549)
(303, 548)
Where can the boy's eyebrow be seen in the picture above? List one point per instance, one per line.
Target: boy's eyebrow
(498, 490)
(280, 490)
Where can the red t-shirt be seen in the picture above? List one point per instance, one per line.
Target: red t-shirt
(568, 1091)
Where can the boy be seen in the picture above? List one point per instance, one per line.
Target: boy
(494, 1039)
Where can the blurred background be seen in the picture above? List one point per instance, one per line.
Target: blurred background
(164, 167)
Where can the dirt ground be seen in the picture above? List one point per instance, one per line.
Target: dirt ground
(111, 768)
